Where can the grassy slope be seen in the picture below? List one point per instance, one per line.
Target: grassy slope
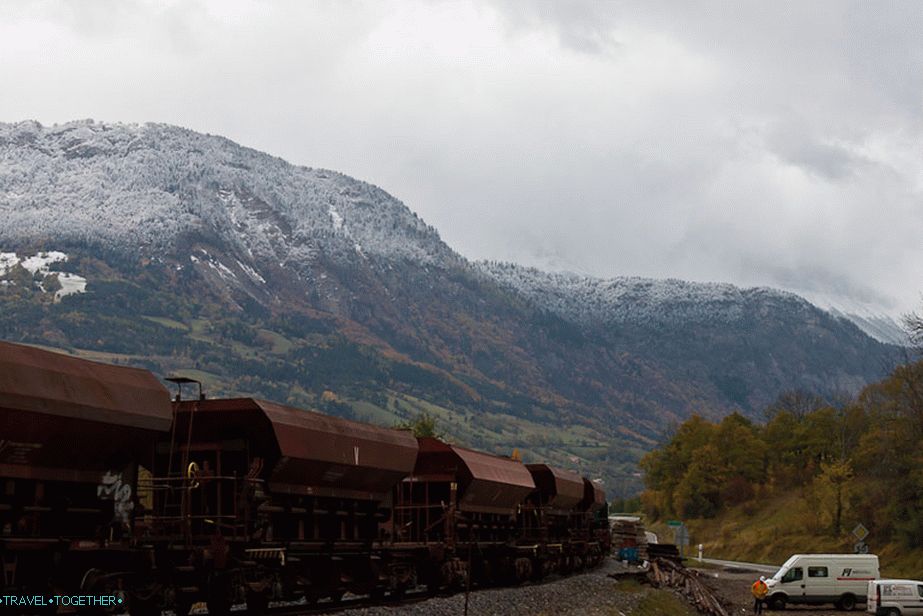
(654, 602)
(490, 431)
(309, 363)
(772, 529)
(663, 603)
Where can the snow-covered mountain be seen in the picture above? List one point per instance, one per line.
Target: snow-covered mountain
(632, 300)
(874, 320)
(591, 301)
(144, 188)
(879, 325)
(39, 267)
(159, 246)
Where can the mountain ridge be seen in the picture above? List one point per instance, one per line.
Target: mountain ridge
(313, 288)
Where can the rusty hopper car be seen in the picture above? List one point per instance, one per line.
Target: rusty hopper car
(594, 497)
(557, 490)
(597, 510)
(73, 434)
(109, 488)
(552, 520)
(461, 505)
(271, 499)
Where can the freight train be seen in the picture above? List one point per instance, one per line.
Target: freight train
(108, 487)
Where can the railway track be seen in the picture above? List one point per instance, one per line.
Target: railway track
(364, 601)
(590, 584)
(331, 607)
(351, 603)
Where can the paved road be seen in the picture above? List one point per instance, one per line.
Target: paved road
(764, 569)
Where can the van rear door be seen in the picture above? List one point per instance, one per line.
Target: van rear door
(917, 608)
(871, 603)
(905, 596)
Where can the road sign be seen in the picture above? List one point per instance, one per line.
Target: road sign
(681, 535)
(674, 523)
(861, 547)
(860, 532)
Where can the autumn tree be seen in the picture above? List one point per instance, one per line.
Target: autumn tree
(857, 460)
(664, 468)
(913, 324)
(698, 493)
(741, 451)
(834, 482)
(422, 425)
(798, 402)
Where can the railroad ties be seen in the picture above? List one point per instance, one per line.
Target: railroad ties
(670, 573)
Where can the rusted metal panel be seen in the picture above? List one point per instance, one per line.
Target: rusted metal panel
(38, 445)
(69, 419)
(307, 452)
(558, 488)
(42, 473)
(38, 381)
(594, 497)
(486, 483)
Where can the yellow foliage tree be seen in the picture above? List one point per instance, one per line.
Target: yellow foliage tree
(834, 484)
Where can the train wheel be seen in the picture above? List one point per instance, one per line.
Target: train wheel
(311, 597)
(218, 598)
(98, 582)
(145, 602)
(454, 573)
(486, 574)
(539, 569)
(579, 563)
(522, 569)
(337, 595)
(183, 603)
(429, 573)
(257, 602)
(595, 558)
(218, 606)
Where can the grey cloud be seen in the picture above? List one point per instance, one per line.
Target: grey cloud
(581, 26)
(821, 280)
(794, 144)
(753, 142)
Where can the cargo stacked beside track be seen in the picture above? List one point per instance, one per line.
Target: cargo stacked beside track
(109, 487)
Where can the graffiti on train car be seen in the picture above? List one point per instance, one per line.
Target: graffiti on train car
(112, 487)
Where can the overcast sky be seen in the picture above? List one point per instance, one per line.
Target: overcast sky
(756, 143)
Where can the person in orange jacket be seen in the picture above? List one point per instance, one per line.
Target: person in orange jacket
(759, 590)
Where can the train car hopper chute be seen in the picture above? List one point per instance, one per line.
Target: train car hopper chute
(65, 418)
(558, 489)
(486, 483)
(306, 452)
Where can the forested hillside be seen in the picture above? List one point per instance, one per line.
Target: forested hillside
(803, 480)
(156, 246)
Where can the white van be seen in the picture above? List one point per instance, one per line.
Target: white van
(895, 597)
(842, 579)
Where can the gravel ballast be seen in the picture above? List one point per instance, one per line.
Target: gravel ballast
(588, 593)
